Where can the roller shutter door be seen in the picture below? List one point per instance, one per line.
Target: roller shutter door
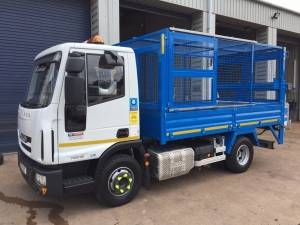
(26, 28)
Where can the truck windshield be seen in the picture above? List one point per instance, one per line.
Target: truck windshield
(43, 81)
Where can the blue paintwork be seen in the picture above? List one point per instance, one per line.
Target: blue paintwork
(240, 114)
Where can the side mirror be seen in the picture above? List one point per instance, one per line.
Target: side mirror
(74, 91)
(75, 64)
(110, 59)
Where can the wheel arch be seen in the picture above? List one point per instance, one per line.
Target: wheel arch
(134, 148)
(232, 137)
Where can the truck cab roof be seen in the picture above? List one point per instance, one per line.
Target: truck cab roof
(66, 46)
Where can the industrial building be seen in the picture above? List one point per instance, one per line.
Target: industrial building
(29, 26)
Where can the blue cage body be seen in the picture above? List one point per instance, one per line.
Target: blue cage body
(193, 84)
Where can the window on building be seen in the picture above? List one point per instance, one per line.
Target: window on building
(105, 82)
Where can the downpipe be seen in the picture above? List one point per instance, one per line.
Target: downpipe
(210, 9)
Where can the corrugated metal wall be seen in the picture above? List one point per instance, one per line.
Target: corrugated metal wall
(247, 10)
(26, 28)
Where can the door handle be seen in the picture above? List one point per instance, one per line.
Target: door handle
(123, 133)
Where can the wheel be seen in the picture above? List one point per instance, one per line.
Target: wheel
(241, 156)
(118, 181)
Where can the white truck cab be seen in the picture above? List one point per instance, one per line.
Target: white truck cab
(82, 99)
(70, 134)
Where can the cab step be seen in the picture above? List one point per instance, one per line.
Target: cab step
(81, 184)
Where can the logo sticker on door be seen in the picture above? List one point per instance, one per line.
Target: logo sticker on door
(133, 104)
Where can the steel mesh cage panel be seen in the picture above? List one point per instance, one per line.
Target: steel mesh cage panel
(196, 55)
(201, 70)
(247, 72)
(234, 70)
(147, 57)
(266, 73)
(193, 70)
(190, 89)
(148, 77)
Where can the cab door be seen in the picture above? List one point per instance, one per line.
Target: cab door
(107, 100)
(107, 111)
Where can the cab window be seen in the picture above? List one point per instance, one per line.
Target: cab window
(104, 82)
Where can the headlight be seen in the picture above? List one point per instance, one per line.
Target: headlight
(40, 179)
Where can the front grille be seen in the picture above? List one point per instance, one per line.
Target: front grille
(27, 148)
(25, 138)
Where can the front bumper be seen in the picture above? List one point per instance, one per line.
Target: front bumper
(54, 176)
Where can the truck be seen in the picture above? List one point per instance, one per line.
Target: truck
(107, 119)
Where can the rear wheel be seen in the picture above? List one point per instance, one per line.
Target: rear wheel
(241, 156)
(118, 181)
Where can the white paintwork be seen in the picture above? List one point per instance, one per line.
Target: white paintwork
(220, 149)
(210, 160)
(103, 120)
(31, 122)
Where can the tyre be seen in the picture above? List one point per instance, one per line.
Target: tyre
(241, 156)
(118, 181)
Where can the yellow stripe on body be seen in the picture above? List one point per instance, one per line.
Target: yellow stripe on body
(186, 132)
(249, 123)
(216, 128)
(95, 142)
(269, 121)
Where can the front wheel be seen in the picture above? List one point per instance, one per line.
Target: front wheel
(241, 156)
(118, 181)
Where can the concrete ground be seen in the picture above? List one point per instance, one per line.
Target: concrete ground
(268, 194)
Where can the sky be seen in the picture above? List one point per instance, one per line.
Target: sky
(289, 4)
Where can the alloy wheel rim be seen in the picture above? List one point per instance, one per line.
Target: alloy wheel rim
(243, 155)
(121, 181)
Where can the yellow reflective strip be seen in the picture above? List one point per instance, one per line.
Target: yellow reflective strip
(216, 128)
(186, 132)
(269, 121)
(96, 142)
(249, 123)
(162, 44)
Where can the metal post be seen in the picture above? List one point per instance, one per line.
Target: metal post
(105, 20)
